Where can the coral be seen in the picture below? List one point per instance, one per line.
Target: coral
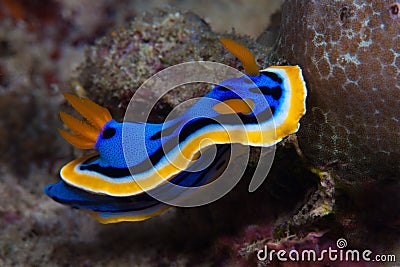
(349, 51)
(351, 131)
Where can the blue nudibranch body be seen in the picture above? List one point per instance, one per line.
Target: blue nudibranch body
(258, 109)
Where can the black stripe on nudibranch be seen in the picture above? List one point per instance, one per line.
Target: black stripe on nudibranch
(190, 128)
(226, 119)
(195, 125)
(165, 132)
(275, 92)
(112, 172)
(273, 76)
(224, 88)
(102, 203)
(252, 119)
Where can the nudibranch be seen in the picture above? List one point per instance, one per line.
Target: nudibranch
(117, 182)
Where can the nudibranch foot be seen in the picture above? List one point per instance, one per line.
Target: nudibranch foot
(109, 209)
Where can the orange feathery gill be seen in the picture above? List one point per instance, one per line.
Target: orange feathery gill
(85, 131)
(243, 54)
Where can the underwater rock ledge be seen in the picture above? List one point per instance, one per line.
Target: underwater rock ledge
(118, 64)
